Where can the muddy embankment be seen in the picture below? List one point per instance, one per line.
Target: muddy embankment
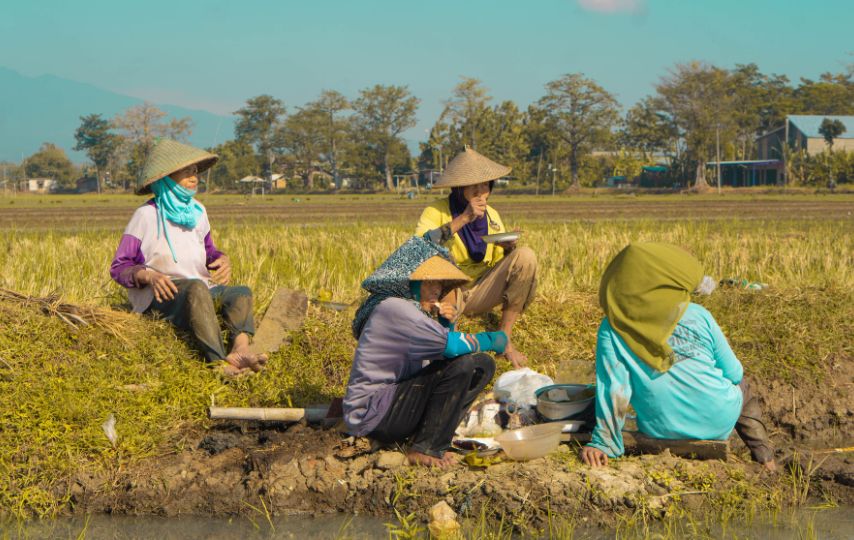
(301, 469)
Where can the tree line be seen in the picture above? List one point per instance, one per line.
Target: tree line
(574, 135)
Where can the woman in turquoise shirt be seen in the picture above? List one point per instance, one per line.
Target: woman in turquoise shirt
(667, 358)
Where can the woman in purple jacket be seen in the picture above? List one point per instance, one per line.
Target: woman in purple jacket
(413, 376)
(170, 266)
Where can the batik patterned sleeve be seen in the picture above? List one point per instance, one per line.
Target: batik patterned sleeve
(613, 394)
(440, 235)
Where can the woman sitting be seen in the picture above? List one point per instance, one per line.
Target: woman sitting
(501, 274)
(668, 358)
(170, 266)
(413, 376)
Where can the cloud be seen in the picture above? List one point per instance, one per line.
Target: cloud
(612, 6)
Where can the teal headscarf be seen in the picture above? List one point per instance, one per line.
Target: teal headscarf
(174, 203)
(391, 279)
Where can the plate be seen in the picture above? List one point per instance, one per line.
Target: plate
(485, 446)
(501, 237)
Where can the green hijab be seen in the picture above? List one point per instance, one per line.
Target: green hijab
(645, 290)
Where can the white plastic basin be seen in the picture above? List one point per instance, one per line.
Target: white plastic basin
(530, 442)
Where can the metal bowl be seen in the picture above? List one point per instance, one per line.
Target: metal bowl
(564, 401)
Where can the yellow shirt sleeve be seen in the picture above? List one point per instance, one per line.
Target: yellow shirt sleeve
(431, 218)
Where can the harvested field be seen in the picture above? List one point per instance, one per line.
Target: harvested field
(89, 211)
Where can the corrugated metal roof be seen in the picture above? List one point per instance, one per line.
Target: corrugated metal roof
(808, 124)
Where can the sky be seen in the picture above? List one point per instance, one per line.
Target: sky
(215, 54)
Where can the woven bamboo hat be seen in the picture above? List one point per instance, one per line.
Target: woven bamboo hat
(168, 157)
(469, 168)
(438, 268)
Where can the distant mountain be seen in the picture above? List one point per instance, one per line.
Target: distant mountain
(34, 110)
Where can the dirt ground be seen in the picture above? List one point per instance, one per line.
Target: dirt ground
(240, 468)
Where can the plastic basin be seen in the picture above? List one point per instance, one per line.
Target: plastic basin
(530, 442)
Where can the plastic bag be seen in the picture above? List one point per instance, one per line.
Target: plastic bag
(519, 386)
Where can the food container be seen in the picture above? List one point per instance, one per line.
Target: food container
(530, 442)
(566, 401)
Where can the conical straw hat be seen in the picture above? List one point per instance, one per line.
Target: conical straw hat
(469, 168)
(168, 157)
(438, 268)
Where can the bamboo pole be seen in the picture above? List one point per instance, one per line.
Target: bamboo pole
(267, 414)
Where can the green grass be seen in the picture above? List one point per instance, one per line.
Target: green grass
(58, 383)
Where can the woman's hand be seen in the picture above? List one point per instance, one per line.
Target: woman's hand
(476, 209)
(448, 311)
(507, 246)
(594, 457)
(162, 285)
(220, 270)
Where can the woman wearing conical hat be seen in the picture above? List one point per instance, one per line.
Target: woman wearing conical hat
(501, 274)
(413, 376)
(170, 266)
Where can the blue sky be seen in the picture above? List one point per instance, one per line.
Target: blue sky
(214, 55)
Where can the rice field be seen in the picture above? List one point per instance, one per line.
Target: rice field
(67, 246)
(58, 384)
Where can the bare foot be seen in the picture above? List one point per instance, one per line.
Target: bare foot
(516, 358)
(417, 458)
(231, 370)
(770, 466)
(451, 458)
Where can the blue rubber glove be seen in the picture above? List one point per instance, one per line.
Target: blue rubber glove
(492, 341)
(460, 343)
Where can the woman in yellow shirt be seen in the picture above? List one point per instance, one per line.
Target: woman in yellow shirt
(501, 273)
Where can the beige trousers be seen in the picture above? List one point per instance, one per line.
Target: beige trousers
(512, 283)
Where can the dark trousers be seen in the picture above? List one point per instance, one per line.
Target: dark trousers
(750, 427)
(428, 407)
(194, 309)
